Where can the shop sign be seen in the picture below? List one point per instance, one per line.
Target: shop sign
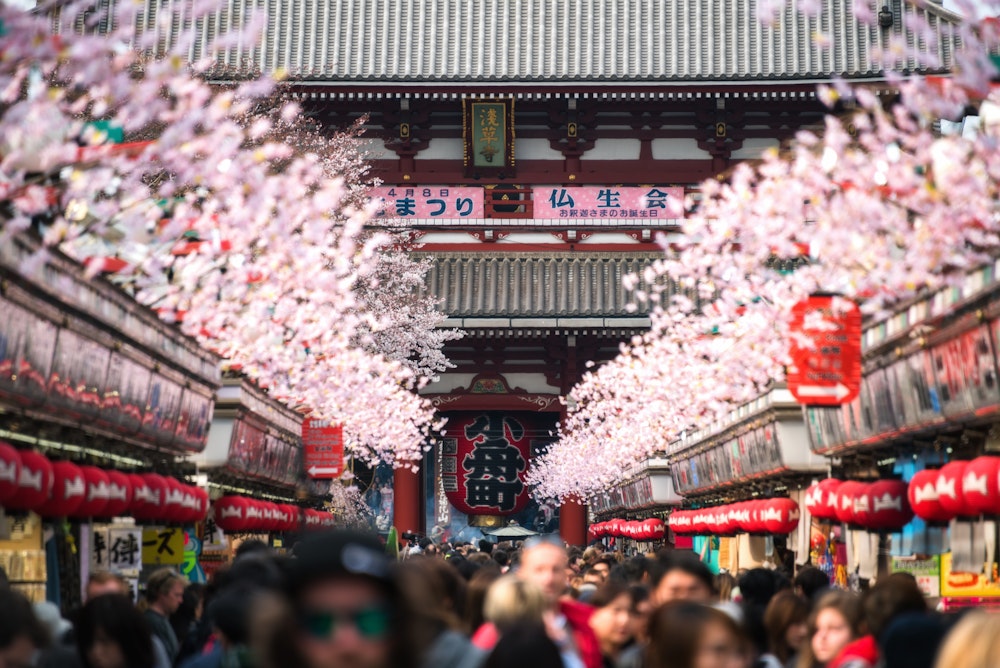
(656, 203)
(964, 585)
(116, 549)
(825, 347)
(429, 202)
(926, 571)
(323, 447)
(486, 474)
(162, 546)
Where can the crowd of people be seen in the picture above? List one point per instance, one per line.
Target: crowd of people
(340, 601)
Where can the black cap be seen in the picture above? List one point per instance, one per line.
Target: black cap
(337, 554)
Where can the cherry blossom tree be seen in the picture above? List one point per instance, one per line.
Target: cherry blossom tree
(879, 206)
(245, 242)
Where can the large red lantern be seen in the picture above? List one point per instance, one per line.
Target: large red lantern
(923, 497)
(231, 513)
(10, 470)
(69, 489)
(949, 488)
(981, 486)
(489, 464)
(890, 509)
(847, 493)
(780, 516)
(657, 529)
(95, 502)
(34, 482)
(119, 494)
(821, 499)
(148, 497)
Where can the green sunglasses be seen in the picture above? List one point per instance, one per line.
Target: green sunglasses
(371, 622)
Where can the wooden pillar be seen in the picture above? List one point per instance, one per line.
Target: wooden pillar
(573, 523)
(407, 503)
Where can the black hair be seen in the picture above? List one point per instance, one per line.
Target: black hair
(686, 562)
(116, 617)
(524, 645)
(609, 591)
(249, 547)
(812, 581)
(501, 557)
(17, 620)
(486, 546)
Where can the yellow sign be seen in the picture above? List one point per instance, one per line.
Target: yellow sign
(966, 584)
(162, 546)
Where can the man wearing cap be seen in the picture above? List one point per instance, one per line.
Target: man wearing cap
(348, 607)
(544, 562)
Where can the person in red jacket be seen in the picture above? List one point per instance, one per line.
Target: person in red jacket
(544, 562)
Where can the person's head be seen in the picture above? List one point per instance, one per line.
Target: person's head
(501, 557)
(641, 611)
(165, 591)
(112, 633)
(681, 576)
(105, 582)
(834, 622)
(684, 634)
(889, 598)
(592, 576)
(611, 622)
(786, 622)
(543, 563)
(253, 547)
(912, 640)
(602, 567)
(486, 546)
(811, 582)
(973, 643)
(724, 585)
(512, 600)
(525, 645)
(347, 603)
(759, 585)
(475, 596)
(21, 634)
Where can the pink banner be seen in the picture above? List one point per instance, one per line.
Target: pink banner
(603, 202)
(428, 202)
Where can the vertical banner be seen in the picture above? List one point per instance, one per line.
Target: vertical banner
(488, 133)
(323, 448)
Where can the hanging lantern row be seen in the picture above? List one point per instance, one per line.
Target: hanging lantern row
(239, 514)
(882, 505)
(761, 516)
(651, 529)
(29, 481)
(958, 489)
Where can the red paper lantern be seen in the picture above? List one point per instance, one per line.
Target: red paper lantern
(148, 497)
(679, 522)
(200, 504)
(231, 513)
(174, 509)
(981, 485)
(750, 520)
(119, 494)
(699, 522)
(890, 509)
(821, 499)
(780, 516)
(10, 470)
(950, 491)
(923, 497)
(97, 495)
(657, 529)
(314, 519)
(34, 482)
(69, 489)
(863, 506)
(846, 495)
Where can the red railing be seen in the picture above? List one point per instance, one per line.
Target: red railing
(513, 203)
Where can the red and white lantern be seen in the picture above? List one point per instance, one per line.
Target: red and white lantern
(821, 499)
(95, 502)
(69, 489)
(34, 482)
(846, 495)
(231, 514)
(148, 497)
(923, 497)
(10, 470)
(655, 528)
(119, 494)
(780, 516)
(981, 485)
(950, 489)
(890, 509)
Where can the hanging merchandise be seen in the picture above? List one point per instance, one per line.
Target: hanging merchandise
(923, 496)
(34, 483)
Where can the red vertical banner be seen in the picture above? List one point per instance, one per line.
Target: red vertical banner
(826, 351)
(323, 448)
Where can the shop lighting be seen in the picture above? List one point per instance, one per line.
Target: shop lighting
(250, 492)
(66, 447)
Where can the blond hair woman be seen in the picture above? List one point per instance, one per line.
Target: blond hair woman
(973, 643)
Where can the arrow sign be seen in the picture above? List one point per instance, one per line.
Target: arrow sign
(323, 448)
(323, 471)
(825, 348)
